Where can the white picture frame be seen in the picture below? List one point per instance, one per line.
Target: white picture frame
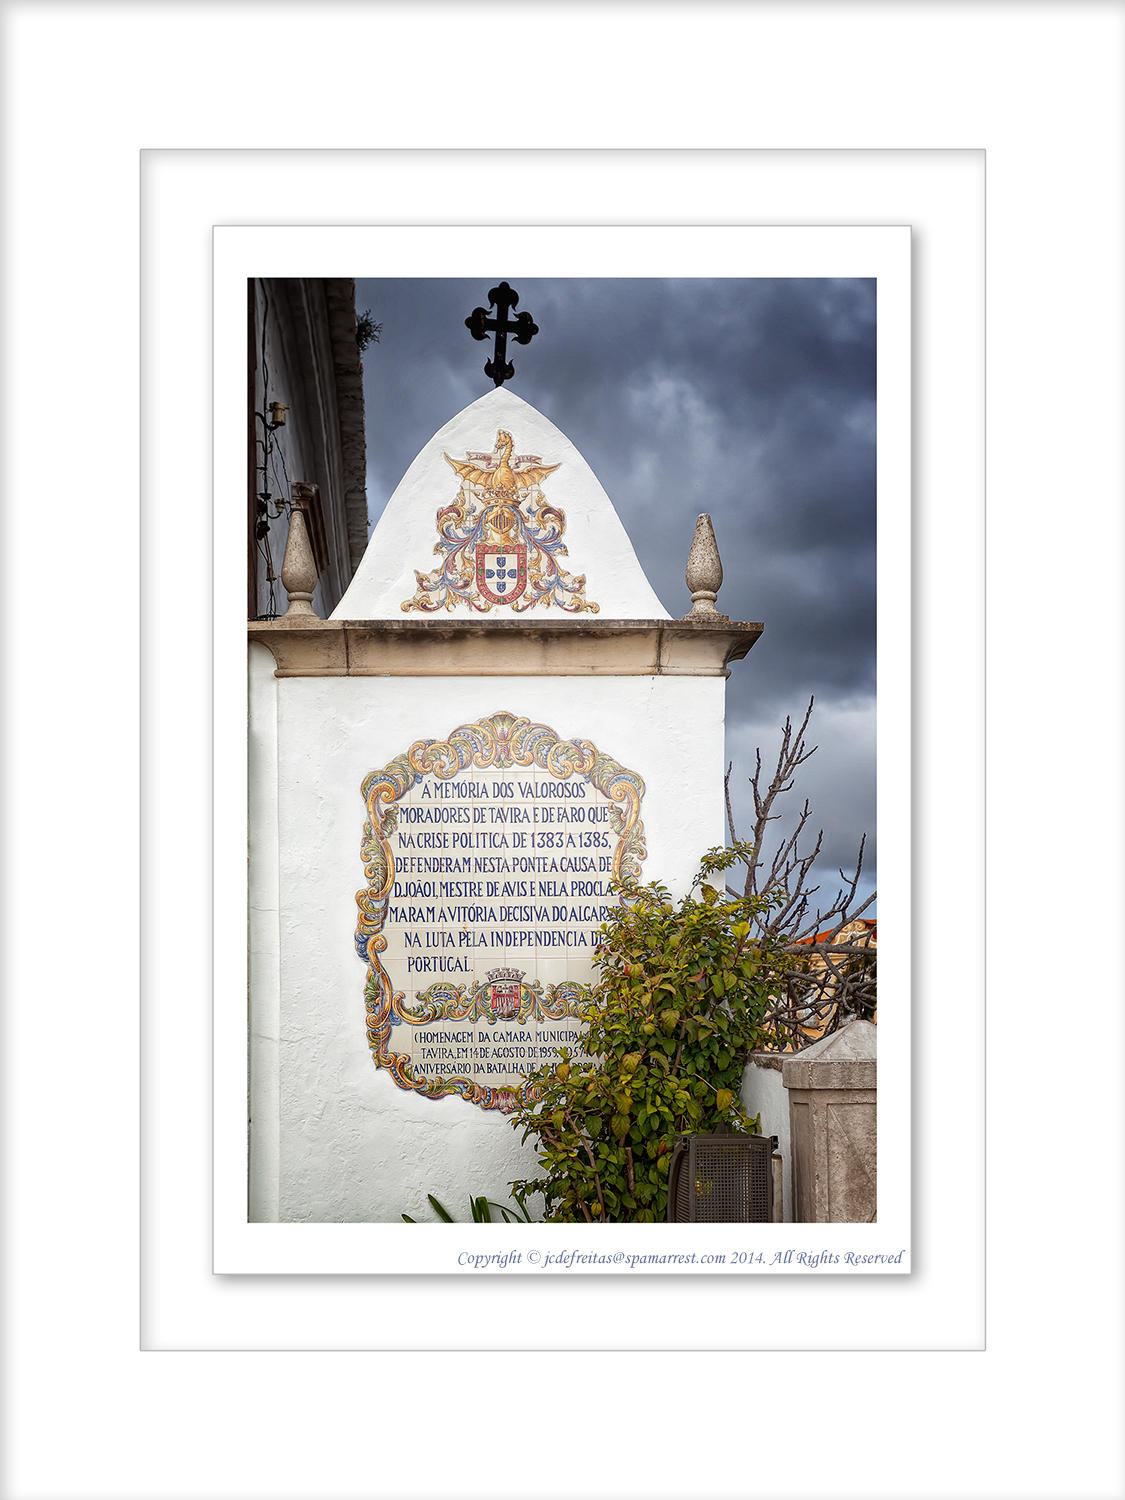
(1035, 1410)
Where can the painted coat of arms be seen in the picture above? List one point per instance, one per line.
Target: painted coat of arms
(505, 991)
(500, 541)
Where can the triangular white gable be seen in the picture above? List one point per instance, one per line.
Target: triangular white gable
(403, 543)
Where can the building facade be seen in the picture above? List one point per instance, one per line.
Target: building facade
(305, 427)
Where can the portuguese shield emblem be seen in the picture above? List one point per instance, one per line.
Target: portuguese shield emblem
(501, 571)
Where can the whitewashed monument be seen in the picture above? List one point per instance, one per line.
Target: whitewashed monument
(498, 720)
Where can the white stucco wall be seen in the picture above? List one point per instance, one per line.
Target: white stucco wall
(335, 1139)
(764, 1093)
(263, 944)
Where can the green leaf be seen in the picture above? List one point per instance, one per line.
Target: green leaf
(439, 1210)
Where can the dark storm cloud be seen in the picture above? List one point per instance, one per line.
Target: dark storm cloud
(752, 400)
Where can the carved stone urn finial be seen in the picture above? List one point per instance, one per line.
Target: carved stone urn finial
(299, 571)
(704, 575)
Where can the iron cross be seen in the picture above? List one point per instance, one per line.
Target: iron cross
(480, 325)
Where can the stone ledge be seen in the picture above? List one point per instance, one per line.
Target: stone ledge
(768, 1060)
(505, 648)
(841, 1075)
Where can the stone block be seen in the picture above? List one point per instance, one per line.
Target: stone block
(832, 1122)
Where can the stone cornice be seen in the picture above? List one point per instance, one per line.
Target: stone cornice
(696, 647)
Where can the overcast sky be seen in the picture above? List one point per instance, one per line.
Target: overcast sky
(753, 400)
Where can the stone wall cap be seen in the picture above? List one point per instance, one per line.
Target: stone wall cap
(846, 1059)
(855, 1042)
(693, 625)
(501, 647)
(772, 1060)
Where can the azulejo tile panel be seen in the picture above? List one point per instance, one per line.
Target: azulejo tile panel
(499, 541)
(489, 859)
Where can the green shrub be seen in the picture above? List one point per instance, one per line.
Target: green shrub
(672, 1019)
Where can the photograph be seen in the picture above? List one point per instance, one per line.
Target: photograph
(562, 749)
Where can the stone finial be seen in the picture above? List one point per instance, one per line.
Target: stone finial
(704, 575)
(299, 571)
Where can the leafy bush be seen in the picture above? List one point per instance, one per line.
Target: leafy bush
(672, 1020)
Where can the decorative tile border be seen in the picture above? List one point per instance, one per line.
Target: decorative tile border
(501, 741)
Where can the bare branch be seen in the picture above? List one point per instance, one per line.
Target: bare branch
(833, 978)
(730, 810)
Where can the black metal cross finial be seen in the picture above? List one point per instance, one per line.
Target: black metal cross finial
(480, 325)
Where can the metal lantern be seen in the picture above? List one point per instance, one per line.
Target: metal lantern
(721, 1179)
